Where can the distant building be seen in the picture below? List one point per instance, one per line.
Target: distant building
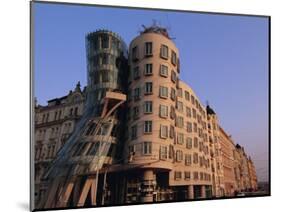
(174, 147)
(54, 123)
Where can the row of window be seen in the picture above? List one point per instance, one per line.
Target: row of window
(103, 76)
(196, 176)
(103, 59)
(103, 42)
(148, 52)
(190, 97)
(163, 93)
(146, 149)
(148, 90)
(148, 71)
(57, 115)
(54, 132)
(164, 134)
(40, 154)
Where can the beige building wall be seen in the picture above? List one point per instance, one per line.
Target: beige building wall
(216, 155)
(228, 149)
(252, 175)
(54, 124)
(178, 137)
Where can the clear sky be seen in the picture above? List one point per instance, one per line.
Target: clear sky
(223, 58)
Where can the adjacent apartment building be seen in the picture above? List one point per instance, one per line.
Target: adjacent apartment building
(174, 147)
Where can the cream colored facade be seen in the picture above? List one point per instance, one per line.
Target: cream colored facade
(54, 124)
(252, 175)
(228, 162)
(216, 154)
(166, 117)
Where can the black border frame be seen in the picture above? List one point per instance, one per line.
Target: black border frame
(31, 61)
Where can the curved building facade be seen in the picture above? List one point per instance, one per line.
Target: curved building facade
(167, 136)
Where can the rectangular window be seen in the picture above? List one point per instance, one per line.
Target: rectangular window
(180, 138)
(147, 107)
(179, 155)
(148, 49)
(194, 113)
(187, 175)
(148, 69)
(172, 131)
(200, 146)
(195, 142)
(172, 112)
(195, 175)
(189, 127)
(187, 95)
(163, 111)
(163, 92)
(163, 131)
(201, 175)
(105, 41)
(136, 112)
(196, 104)
(192, 99)
(177, 175)
(173, 94)
(178, 65)
(195, 127)
(201, 161)
(179, 121)
(147, 148)
(173, 76)
(174, 58)
(195, 158)
(136, 94)
(163, 152)
(134, 132)
(179, 106)
(188, 160)
(188, 112)
(135, 55)
(147, 126)
(164, 52)
(163, 71)
(188, 143)
(148, 88)
(136, 73)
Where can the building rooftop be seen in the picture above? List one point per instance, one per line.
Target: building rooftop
(155, 29)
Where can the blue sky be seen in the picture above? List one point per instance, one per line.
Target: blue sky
(223, 58)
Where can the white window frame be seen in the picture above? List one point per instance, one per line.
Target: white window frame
(148, 51)
(163, 92)
(164, 70)
(164, 54)
(164, 131)
(163, 111)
